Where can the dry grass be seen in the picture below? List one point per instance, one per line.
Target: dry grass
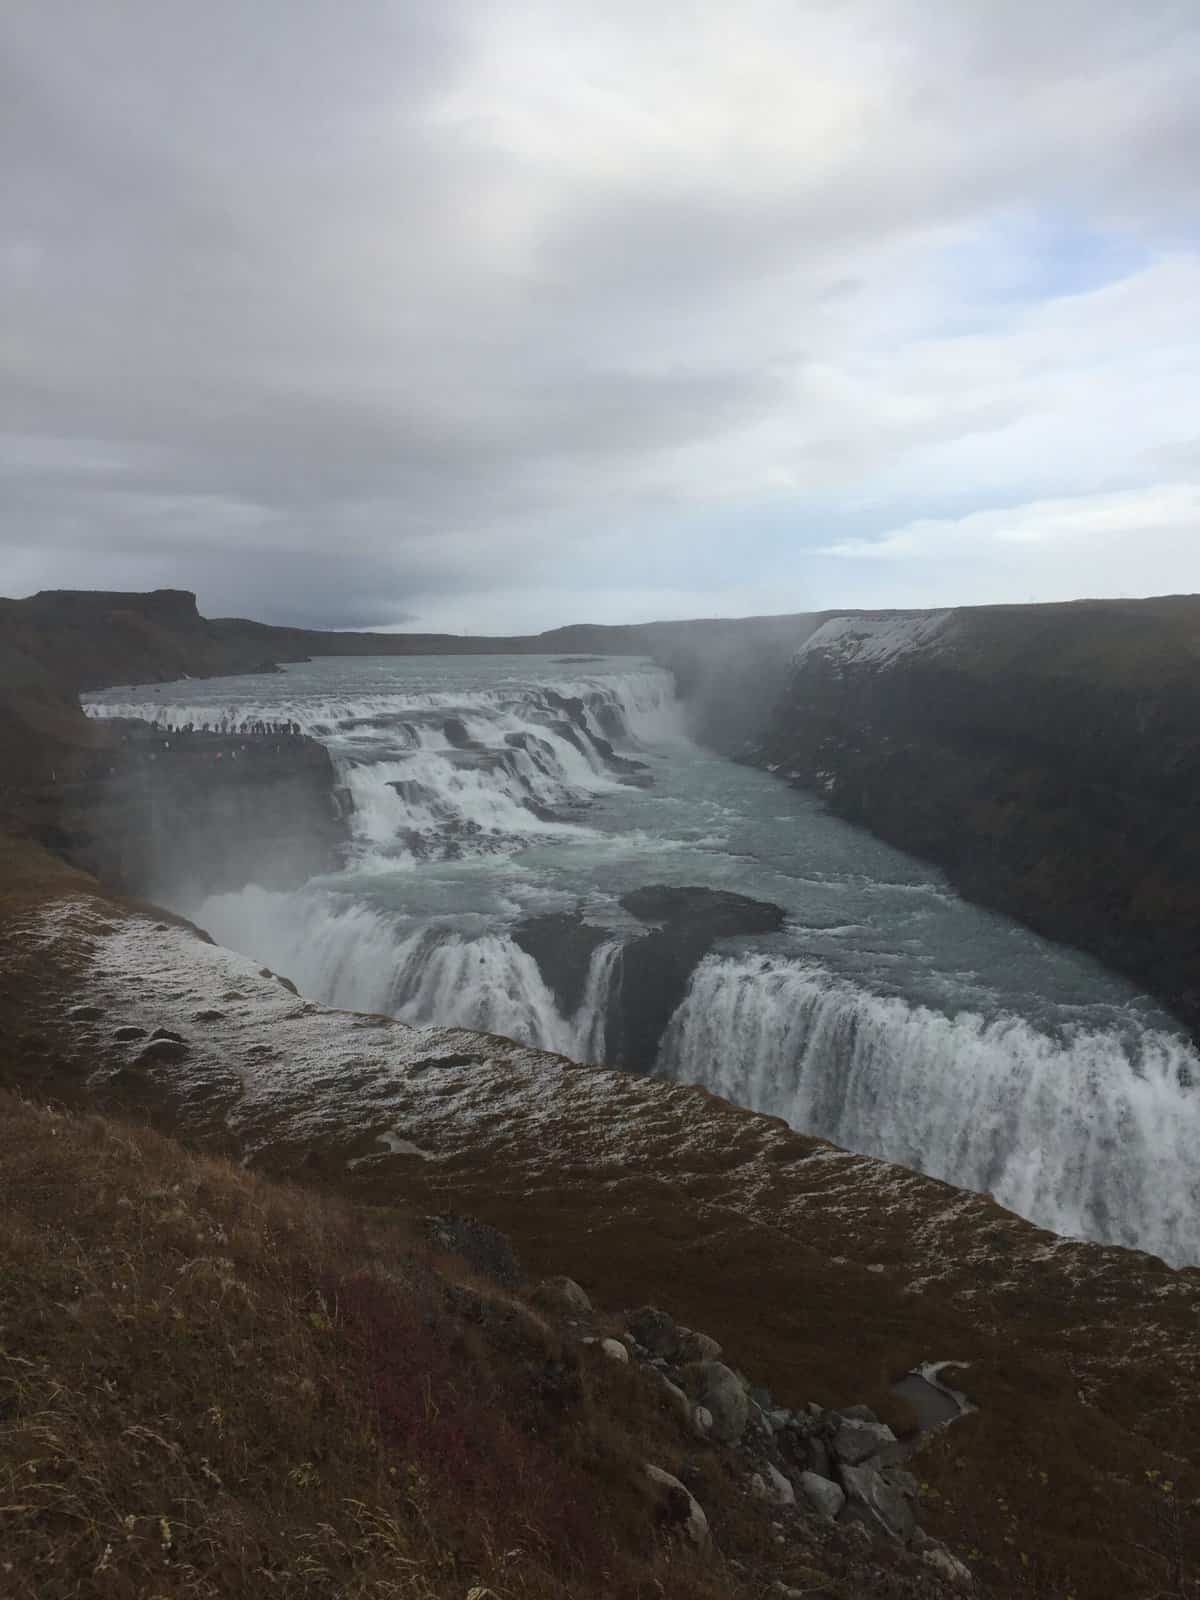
(215, 1386)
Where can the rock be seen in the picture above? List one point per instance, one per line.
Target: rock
(819, 1459)
(655, 1331)
(822, 1494)
(781, 1490)
(855, 1442)
(857, 1414)
(720, 1391)
(163, 1050)
(563, 1295)
(615, 1351)
(86, 1013)
(697, 1346)
(168, 1033)
(874, 1502)
(779, 1419)
(904, 1481)
(945, 1564)
(678, 1508)
(128, 1032)
(696, 1419)
(485, 1249)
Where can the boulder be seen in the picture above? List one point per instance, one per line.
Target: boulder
(128, 1033)
(562, 1295)
(86, 1013)
(856, 1442)
(822, 1494)
(676, 1507)
(696, 1419)
(875, 1503)
(781, 1488)
(168, 1033)
(655, 1331)
(615, 1351)
(695, 1346)
(720, 1391)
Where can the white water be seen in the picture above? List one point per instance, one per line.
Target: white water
(888, 1016)
(1089, 1131)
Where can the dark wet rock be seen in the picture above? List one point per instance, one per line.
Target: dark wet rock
(86, 1013)
(562, 944)
(485, 1249)
(129, 1032)
(657, 967)
(208, 1016)
(455, 732)
(168, 1033)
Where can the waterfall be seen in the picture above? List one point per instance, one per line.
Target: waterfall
(436, 774)
(1093, 1134)
(347, 955)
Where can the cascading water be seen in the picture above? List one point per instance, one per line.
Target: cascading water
(1090, 1133)
(887, 1015)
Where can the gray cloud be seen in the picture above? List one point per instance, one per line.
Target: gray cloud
(340, 319)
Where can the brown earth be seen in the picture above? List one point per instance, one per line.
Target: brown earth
(827, 1275)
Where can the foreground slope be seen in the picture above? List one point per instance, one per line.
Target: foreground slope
(830, 1274)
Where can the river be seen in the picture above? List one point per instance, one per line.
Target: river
(887, 1015)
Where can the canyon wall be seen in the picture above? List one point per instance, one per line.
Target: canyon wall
(1047, 757)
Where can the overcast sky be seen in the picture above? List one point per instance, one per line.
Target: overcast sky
(494, 316)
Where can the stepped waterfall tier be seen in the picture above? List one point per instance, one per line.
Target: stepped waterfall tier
(536, 848)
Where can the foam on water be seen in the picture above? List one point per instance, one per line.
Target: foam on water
(1094, 1134)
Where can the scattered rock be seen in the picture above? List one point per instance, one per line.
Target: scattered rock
(563, 1295)
(615, 1350)
(168, 1033)
(208, 1016)
(86, 1013)
(822, 1494)
(128, 1032)
(875, 1503)
(720, 1391)
(678, 1508)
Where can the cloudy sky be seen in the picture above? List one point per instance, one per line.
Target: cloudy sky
(493, 316)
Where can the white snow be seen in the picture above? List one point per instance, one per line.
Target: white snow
(878, 641)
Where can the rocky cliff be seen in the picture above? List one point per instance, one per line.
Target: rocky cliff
(1047, 757)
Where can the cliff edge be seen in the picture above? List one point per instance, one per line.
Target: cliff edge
(1046, 757)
